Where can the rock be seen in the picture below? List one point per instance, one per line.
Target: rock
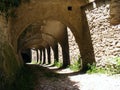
(118, 45)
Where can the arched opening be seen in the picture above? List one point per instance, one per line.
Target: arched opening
(73, 47)
(51, 32)
(73, 17)
(26, 55)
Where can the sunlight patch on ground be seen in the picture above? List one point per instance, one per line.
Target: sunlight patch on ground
(64, 71)
(96, 82)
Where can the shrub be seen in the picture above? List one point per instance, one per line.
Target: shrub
(111, 67)
(58, 64)
(76, 66)
(94, 69)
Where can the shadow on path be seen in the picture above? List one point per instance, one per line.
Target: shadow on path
(47, 79)
(36, 77)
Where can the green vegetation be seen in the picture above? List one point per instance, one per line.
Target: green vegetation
(76, 66)
(58, 64)
(34, 62)
(109, 68)
(94, 69)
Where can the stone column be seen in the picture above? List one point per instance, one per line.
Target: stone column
(40, 56)
(115, 12)
(65, 51)
(55, 50)
(44, 56)
(48, 53)
(85, 43)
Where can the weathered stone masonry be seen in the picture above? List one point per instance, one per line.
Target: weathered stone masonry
(42, 15)
(105, 37)
(9, 63)
(47, 12)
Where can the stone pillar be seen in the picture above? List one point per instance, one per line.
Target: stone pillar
(48, 53)
(40, 56)
(115, 12)
(85, 43)
(44, 56)
(65, 51)
(55, 50)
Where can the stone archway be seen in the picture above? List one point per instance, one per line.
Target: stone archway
(70, 14)
(45, 36)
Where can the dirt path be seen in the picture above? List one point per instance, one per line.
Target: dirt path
(66, 80)
(48, 80)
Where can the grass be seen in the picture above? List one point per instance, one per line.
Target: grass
(76, 66)
(34, 62)
(94, 69)
(111, 67)
(58, 64)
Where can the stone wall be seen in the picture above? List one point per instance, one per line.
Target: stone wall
(3, 33)
(8, 60)
(105, 37)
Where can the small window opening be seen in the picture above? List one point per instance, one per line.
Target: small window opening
(69, 8)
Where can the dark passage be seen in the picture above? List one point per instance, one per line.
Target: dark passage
(26, 56)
